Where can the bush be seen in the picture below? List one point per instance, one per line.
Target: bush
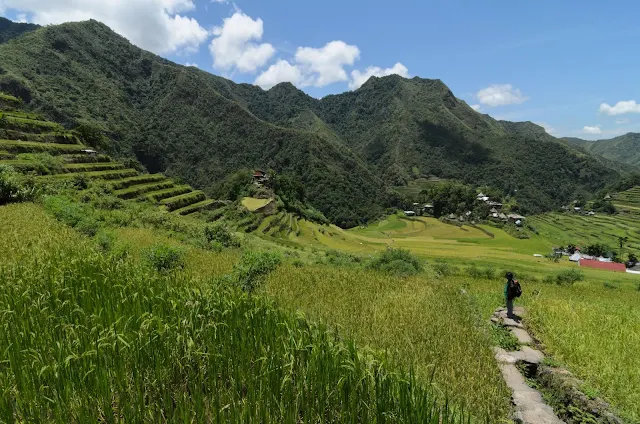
(487, 273)
(397, 261)
(88, 226)
(443, 269)
(250, 272)
(219, 234)
(105, 240)
(165, 258)
(44, 163)
(569, 277)
(14, 187)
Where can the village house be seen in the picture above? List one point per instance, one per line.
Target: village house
(260, 177)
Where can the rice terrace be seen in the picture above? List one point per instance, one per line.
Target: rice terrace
(176, 246)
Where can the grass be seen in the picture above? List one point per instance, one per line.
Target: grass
(167, 193)
(423, 322)
(140, 189)
(194, 207)
(92, 335)
(252, 204)
(183, 200)
(103, 175)
(29, 147)
(31, 125)
(138, 179)
(93, 167)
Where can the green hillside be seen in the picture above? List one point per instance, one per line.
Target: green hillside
(56, 155)
(175, 119)
(409, 128)
(625, 148)
(9, 29)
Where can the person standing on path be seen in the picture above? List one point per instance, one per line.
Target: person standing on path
(511, 291)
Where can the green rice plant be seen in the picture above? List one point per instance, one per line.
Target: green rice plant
(31, 147)
(183, 200)
(86, 337)
(140, 189)
(169, 192)
(195, 207)
(138, 179)
(93, 167)
(42, 163)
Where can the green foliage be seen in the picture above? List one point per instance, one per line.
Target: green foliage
(444, 269)
(569, 277)
(502, 337)
(14, 186)
(253, 268)
(10, 30)
(624, 149)
(43, 163)
(165, 258)
(399, 262)
(220, 234)
(597, 249)
(451, 197)
(486, 273)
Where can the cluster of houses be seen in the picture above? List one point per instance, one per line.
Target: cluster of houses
(260, 177)
(598, 262)
(495, 213)
(578, 210)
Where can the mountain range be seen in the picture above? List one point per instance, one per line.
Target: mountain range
(624, 149)
(348, 150)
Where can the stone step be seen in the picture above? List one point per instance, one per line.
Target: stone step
(529, 405)
(522, 335)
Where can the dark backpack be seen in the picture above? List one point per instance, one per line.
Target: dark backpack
(515, 289)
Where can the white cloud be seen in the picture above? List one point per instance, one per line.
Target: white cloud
(326, 64)
(312, 66)
(500, 95)
(592, 130)
(155, 25)
(358, 78)
(627, 106)
(622, 121)
(548, 128)
(22, 18)
(476, 107)
(281, 71)
(235, 44)
(194, 65)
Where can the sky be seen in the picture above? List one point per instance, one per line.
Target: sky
(570, 66)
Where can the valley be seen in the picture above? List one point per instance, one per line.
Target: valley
(177, 247)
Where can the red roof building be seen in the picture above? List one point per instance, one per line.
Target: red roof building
(609, 266)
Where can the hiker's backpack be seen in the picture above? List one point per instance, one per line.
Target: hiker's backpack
(516, 289)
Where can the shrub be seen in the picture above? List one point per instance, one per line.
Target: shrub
(88, 226)
(220, 234)
(44, 163)
(14, 187)
(105, 240)
(165, 258)
(502, 337)
(443, 269)
(397, 261)
(253, 267)
(569, 277)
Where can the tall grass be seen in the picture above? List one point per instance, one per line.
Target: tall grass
(428, 324)
(89, 337)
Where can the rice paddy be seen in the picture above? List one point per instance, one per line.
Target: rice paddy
(93, 336)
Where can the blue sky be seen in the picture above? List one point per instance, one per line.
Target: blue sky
(569, 65)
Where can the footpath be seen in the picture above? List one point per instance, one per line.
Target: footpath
(530, 407)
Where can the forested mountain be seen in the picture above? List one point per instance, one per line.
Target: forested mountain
(346, 149)
(9, 29)
(625, 148)
(174, 118)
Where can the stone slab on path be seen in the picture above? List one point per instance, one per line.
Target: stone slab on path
(522, 335)
(529, 405)
(528, 355)
(511, 323)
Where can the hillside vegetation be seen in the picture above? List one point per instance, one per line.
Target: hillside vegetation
(9, 29)
(625, 148)
(346, 149)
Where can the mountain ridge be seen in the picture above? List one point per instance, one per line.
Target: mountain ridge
(624, 148)
(346, 148)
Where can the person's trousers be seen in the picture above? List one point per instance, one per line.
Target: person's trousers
(509, 308)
